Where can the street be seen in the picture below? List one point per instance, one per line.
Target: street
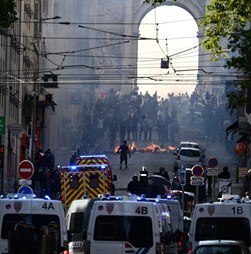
(153, 160)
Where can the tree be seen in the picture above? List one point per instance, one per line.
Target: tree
(7, 14)
(228, 34)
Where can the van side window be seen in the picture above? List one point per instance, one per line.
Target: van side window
(136, 230)
(223, 228)
(77, 221)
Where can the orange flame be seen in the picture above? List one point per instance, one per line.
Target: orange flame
(150, 148)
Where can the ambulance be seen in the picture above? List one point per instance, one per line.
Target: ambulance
(32, 225)
(121, 226)
(89, 177)
(225, 220)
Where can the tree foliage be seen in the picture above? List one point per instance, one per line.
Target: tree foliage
(7, 13)
(228, 34)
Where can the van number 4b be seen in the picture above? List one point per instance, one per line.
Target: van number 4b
(141, 210)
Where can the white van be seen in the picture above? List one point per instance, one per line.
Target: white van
(177, 221)
(30, 225)
(128, 226)
(77, 219)
(226, 220)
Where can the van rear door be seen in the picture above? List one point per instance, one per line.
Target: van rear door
(122, 227)
(122, 234)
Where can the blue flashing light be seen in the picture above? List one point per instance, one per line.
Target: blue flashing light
(169, 197)
(93, 156)
(103, 166)
(73, 167)
(47, 197)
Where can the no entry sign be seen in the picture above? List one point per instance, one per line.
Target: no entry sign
(213, 162)
(197, 170)
(25, 169)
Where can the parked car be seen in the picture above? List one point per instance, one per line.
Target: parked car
(189, 157)
(221, 246)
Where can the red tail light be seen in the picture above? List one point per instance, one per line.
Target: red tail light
(87, 247)
(158, 248)
(189, 250)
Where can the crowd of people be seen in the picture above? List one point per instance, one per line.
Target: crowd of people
(135, 116)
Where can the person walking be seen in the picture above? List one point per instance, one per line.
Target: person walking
(124, 153)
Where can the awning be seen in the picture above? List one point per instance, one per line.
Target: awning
(233, 128)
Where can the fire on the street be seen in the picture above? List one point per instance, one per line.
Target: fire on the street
(150, 148)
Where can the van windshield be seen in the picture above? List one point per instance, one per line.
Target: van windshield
(136, 230)
(223, 229)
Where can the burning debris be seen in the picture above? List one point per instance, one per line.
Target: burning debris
(150, 148)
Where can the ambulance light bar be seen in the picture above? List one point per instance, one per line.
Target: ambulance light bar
(83, 167)
(93, 156)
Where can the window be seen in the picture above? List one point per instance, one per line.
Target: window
(190, 153)
(74, 182)
(77, 221)
(37, 221)
(223, 229)
(136, 230)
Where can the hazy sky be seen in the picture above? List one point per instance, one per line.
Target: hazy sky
(175, 31)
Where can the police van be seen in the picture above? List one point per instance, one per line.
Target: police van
(77, 218)
(225, 220)
(177, 221)
(31, 225)
(122, 226)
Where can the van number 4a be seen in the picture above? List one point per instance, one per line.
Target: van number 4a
(237, 210)
(141, 210)
(48, 206)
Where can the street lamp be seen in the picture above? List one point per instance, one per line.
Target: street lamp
(44, 19)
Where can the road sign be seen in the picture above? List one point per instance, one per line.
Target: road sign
(25, 169)
(197, 170)
(197, 178)
(15, 128)
(212, 162)
(197, 183)
(25, 182)
(182, 175)
(212, 171)
(2, 125)
(25, 190)
(225, 186)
